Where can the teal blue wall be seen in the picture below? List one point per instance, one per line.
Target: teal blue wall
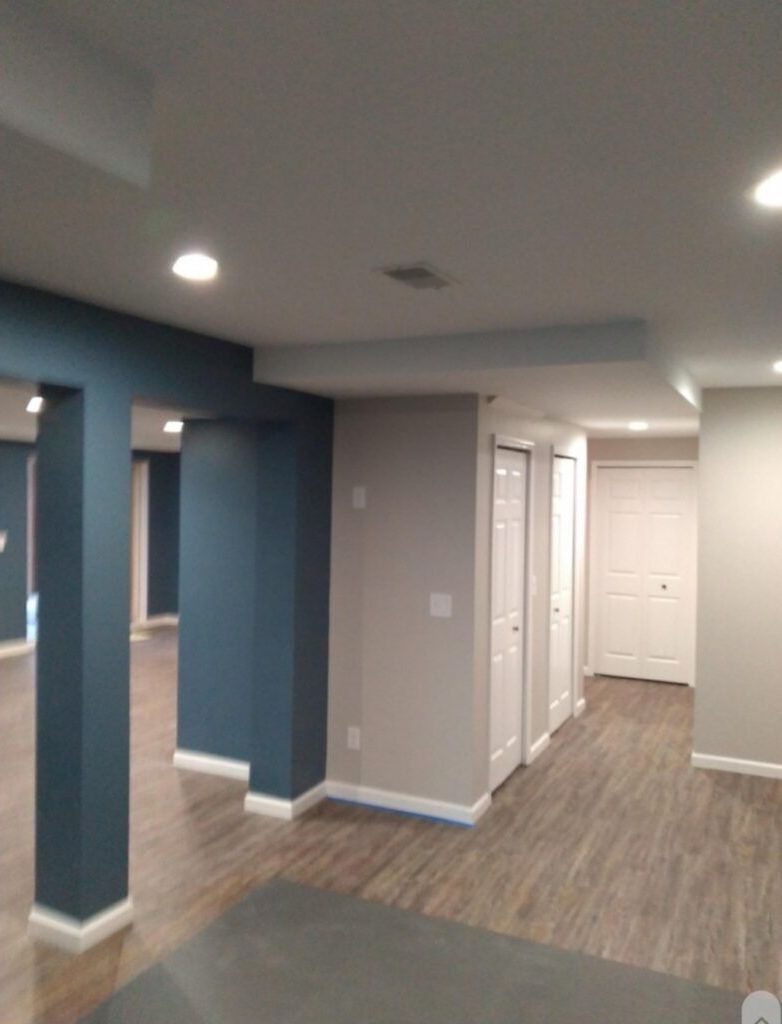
(13, 518)
(217, 635)
(102, 361)
(163, 569)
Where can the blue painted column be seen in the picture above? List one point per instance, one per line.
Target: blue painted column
(217, 587)
(82, 782)
(254, 588)
(291, 675)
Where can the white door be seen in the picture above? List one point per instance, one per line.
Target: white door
(563, 547)
(509, 531)
(645, 539)
(139, 543)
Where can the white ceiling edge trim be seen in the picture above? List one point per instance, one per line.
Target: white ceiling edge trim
(613, 341)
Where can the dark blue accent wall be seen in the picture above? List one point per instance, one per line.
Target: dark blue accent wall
(13, 519)
(163, 571)
(82, 779)
(101, 361)
(218, 587)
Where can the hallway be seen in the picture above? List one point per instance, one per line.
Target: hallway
(610, 844)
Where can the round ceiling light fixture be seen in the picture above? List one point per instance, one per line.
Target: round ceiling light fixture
(196, 266)
(637, 425)
(769, 191)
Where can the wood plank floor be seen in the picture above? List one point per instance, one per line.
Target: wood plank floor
(610, 844)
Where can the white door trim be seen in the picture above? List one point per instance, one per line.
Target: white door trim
(592, 531)
(576, 700)
(32, 464)
(139, 525)
(521, 445)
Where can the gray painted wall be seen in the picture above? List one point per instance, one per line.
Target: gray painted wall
(644, 449)
(417, 685)
(738, 698)
(404, 677)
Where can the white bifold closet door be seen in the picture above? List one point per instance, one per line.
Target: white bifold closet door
(563, 549)
(509, 532)
(645, 539)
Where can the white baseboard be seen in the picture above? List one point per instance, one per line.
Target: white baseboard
(588, 672)
(538, 747)
(278, 807)
(460, 814)
(156, 622)
(72, 935)
(211, 764)
(765, 769)
(580, 707)
(13, 648)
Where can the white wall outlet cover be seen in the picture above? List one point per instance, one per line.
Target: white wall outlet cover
(441, 606)
(354, 737)
(3, 540)
(359, 497)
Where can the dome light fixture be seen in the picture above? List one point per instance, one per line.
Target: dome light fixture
(196, 266)
(769, 191)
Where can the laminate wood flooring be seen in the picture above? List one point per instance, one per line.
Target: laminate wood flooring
(610, 844)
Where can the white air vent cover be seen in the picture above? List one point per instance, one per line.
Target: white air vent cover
(417, 275)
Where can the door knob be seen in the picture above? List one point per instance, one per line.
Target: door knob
(515, 629)
(664, 586)
(556, 610)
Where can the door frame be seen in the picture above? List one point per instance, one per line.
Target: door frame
(577, 703)
(527, 447)
(592, 532)
(139, 541)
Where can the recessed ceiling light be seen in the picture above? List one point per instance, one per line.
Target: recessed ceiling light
(769, 191)
(35, 404)
(637, 425)
(173, 427)
(195, 266)
(777, 367)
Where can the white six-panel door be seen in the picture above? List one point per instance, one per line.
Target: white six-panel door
(509, 531)
(645, 538)
(563, 538)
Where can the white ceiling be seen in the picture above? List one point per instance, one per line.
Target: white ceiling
(567, 161)
(16, 424)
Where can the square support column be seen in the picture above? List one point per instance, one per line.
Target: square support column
(254, 589)
(83, 714)
(290, 690)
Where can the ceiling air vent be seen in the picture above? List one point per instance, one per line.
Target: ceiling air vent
(417, 275)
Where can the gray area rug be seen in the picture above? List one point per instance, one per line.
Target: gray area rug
(293, 955)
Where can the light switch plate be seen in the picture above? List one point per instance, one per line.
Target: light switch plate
(441, 606)
(359, 497)
(354, 737)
